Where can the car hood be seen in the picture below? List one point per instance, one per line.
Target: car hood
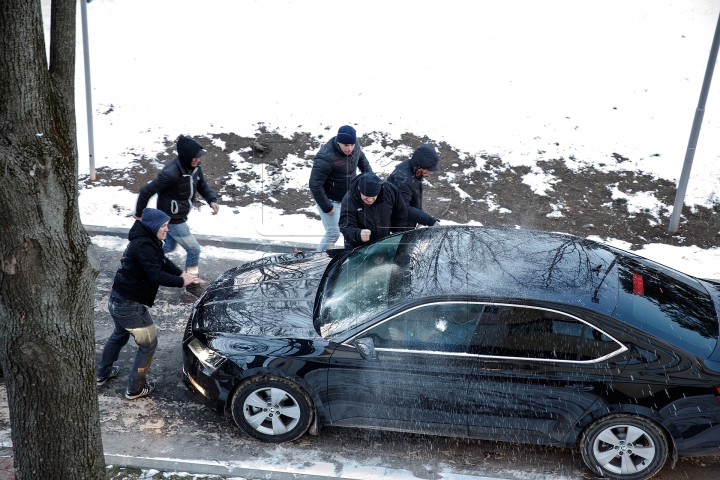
(271, 297)
(243, 349)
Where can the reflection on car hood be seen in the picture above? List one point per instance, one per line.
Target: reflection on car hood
(242, 349)
(271, 297)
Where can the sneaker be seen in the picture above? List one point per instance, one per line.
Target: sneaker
(146, 390)
(113, 373)
(195, 289)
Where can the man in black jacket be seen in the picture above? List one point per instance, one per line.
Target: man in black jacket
(175, 187)
(143, 268)
(333, 169)
(371, 210)
(408, 177)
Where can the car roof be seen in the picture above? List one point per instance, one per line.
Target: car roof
(512, 264)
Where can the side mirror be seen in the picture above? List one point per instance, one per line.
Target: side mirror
(366, 347)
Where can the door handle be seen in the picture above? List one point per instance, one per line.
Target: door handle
(580, 387)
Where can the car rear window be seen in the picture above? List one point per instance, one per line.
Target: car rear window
(667, 304)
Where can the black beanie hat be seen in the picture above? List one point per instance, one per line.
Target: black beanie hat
(188, 149)
(347, 135)
(369, 184)
(154, 219)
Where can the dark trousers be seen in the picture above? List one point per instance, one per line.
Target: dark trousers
(131, 318)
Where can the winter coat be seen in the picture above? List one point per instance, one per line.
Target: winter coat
(144, 267)
(175, 187)
(332, 172)
(411, 186)
(387, 215)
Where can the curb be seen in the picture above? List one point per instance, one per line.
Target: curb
(234, 468)
(196, 467)
(216, 241)
(249, 471)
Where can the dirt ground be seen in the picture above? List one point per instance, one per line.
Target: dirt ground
(587, 206)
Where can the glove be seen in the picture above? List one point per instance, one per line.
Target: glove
(434, 221)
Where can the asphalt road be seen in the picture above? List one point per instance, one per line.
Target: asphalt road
(169, 430)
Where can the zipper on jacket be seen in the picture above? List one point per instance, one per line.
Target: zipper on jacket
(190, 177)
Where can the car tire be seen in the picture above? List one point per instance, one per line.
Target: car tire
(606, 451)
(271, 409)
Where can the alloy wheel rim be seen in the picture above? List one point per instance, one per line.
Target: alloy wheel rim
(624, 449)
(271, 411)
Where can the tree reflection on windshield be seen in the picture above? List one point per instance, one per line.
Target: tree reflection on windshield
(360, 286)
(465, 261)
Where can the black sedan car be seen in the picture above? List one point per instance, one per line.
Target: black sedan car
(489, 333)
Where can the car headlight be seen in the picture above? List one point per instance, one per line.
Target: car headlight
(209, 359)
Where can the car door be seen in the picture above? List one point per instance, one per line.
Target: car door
(537, 371)
(419, 378)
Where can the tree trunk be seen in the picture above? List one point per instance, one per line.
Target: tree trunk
(47, 265)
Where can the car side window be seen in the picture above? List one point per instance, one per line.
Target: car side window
(524, 332)
(596, 344)
(441, 327)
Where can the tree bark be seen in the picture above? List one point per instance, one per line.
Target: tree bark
(47, 265)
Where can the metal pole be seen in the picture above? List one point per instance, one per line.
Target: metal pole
(694, 133)
(88, 88)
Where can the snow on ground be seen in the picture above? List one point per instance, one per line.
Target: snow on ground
(117, 243)
(519, 79)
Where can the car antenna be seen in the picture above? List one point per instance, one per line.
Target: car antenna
(595, 298)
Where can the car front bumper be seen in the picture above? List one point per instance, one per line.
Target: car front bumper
(207, 389)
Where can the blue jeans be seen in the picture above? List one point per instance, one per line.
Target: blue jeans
(179, 234)
(131, 318)
(330, 222)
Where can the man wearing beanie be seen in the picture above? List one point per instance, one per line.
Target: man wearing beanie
(333, 169)
(143, 268)
(175, 187)
(371, 210)
(408, 176)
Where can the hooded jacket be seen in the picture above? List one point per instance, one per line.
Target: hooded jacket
(176, 184)
(411, 186)
(387, 215)
(332, 172)
(144, 267)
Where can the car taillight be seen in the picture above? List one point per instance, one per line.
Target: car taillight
(717, 394)
(638, 285)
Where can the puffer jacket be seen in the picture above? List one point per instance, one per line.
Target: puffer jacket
(332, 172)
(144, 267)
(387, 215)
(177, 184)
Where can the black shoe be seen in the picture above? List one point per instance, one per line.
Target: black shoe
(113, 373)
(146, 390)
(195, 289)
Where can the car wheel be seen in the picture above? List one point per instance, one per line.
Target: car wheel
(624, 447)
(271, 409)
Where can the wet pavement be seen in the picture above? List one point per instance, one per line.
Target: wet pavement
(6, 468)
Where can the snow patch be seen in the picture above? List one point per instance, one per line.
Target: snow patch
(539, 181)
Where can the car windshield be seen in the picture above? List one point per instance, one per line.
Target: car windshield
(367, 282)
